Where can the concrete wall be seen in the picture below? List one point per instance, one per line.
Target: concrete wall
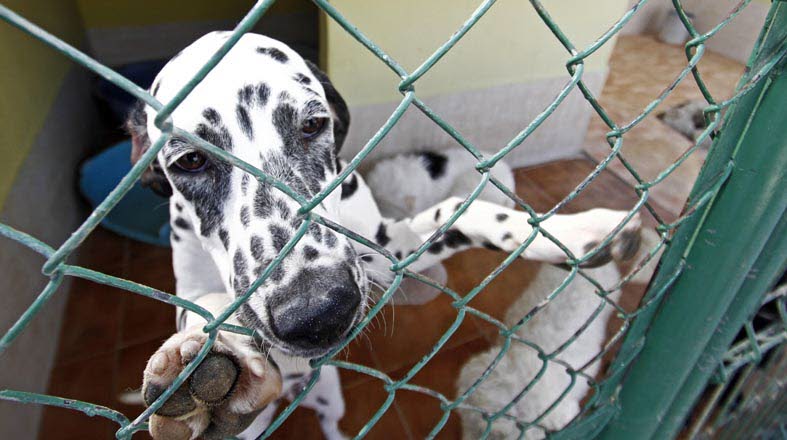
(30, 78)
(491, 84)
(46, 124)
(42, 202)
(125, 31)
(734, 41)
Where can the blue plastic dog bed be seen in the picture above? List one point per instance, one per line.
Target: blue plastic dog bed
(142, 214)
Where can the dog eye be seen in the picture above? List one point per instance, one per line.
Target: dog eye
(192, 162)
(312, 127)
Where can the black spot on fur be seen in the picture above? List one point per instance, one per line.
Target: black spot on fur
(248, 317)
(501, 217)
(455, 238)
(277, 274)
(211, 115)
(507, 236)
(244, 183)
(349, 186)
(246, 94)
(244, 121)
(367, 258)
(263, 201)
(263, 93)
(245, 217)
(174, 236)
(314, 107)
(310, 253)
(279, 236)
(284, 119)
(284, 210)
(156, 88)
(296, 222)
(381, 237)
(322, 400)
(224, 236)
(217, 135)
(437, 214)
(316, 232)
(434, 163)
(257, 249)
(240, 284)
(456, 207)
(491, 246)
(182, 223)
(179, 207)
(274, 53)
(398, 255)
(303, 79)
(330, 238)
(239, 263)
(436, 247)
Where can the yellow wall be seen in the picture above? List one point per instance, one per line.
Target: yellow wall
(117, 13)
(30, 77)
(508, 45)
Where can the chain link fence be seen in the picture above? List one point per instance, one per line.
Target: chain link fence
(608, 396)
(746, 395)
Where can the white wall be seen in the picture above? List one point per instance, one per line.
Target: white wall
(492, 84)
(734, 41)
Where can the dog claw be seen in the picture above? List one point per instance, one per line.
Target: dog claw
(189, 349)
(159, 363)
(257, 367)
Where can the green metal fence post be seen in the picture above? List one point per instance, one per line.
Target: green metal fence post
(769, 266)
(718, 249)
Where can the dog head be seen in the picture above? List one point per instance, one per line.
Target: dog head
(267, 106)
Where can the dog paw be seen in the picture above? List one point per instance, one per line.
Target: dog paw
(623, 246)
(223, 395)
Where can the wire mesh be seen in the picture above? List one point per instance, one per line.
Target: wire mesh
(746, 396)
(56, 268)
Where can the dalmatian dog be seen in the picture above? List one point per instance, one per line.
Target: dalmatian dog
(266, 105)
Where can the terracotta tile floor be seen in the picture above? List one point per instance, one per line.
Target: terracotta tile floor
(108, 334)
(639, 70)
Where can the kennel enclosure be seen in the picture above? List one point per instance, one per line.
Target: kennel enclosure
(720, 257)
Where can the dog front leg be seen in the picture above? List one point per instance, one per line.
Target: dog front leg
(485, 224)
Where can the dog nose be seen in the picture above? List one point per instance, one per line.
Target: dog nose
(316, 309)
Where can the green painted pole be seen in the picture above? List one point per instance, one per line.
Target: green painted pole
(769, 267)
(719, 249)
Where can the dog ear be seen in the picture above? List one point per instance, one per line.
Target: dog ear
(153, 177)
(341, 115)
